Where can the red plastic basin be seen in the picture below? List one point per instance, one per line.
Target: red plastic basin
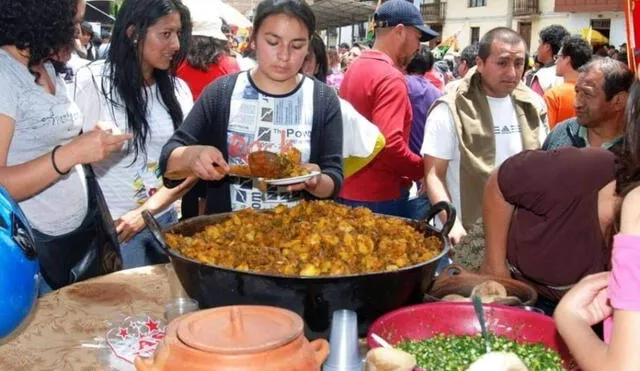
(423, 321)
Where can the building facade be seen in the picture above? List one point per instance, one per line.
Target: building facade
(470, 19)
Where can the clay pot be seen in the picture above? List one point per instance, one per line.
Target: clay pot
(454, 279)
(237, 338)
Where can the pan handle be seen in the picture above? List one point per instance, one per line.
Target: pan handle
(449, 209)
(155, 229)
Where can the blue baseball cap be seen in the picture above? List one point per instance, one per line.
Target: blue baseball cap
(394, 12)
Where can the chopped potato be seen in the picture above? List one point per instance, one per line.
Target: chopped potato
(314, 238)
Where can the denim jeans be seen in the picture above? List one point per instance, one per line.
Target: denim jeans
(394, 207)
(417, 208)
(143, 249)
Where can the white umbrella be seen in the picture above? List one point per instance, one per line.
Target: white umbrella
(201, 8)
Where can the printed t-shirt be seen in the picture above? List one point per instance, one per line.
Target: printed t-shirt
(127, 182)
(441, 141)
(42, 121)
(261, 121)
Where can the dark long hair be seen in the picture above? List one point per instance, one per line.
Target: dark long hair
(295, 8)
(44, 28)
(628, 173)
(205, 51)
(124, 63)
(318, 49)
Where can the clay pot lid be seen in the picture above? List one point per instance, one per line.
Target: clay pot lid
(240, 329)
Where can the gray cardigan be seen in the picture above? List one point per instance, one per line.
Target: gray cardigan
(208, 121)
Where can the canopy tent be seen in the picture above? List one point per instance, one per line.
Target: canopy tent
(205, 8)
(337, 13)
(99, 11)
(230, 14)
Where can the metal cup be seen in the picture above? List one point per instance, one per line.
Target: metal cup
(345, 352)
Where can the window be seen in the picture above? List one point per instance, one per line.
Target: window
(475, 34)
(477, 3)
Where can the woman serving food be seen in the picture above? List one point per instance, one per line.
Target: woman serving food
(270, 108)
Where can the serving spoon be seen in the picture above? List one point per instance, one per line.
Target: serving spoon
(477, 306)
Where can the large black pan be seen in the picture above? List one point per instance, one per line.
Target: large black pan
(314, 298)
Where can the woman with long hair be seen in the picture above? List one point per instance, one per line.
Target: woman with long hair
(316, 63)
(40, 145)
(271, 107)
(208, 57)
(612, 296)
(135, 91)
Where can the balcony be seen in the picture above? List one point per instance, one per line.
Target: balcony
(525, 8)
(433, 11)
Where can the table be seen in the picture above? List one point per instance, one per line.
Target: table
(52, 338)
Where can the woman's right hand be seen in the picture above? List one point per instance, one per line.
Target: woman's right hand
(95, 145)
(201, 160)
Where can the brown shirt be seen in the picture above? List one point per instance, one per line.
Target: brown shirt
(555, 237)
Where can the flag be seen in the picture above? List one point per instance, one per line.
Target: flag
(371, 33)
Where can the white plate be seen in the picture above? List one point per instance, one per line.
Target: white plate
(293, 180)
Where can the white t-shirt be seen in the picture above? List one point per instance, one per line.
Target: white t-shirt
(547, 77)
(441, 140)
(259, 121)
(126, 183)
(360, 135)
(43, 121)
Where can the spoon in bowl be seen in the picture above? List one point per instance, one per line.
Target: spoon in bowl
(477, 306)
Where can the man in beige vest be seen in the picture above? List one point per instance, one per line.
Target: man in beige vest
(490, 116)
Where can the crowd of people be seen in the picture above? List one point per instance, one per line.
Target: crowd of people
(544, 157)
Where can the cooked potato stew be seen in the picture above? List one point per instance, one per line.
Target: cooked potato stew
(314, 238)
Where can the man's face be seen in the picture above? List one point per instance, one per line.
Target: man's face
(545, 54)
(409, 41)
(502, 70)
(461, 68)
(563, 64)
(591, 104)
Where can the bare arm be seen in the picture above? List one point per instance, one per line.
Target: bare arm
(129, 224)
(587, 303)
(435, 175)
(496, 214)
(25, 180)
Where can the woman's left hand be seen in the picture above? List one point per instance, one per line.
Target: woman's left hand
(310, 184)
(587, 300)
(129, 224)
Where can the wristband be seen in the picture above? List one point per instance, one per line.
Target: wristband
(53, 161)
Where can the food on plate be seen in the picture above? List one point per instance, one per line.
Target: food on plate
(489, 291)
(271, 165)
(458, 352)
(261, 164)
(314, 238)
(389, 359)
(498, 361)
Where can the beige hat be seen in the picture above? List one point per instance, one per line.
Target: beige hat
(211, 27)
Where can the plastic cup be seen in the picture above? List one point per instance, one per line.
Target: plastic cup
(175, 287)
(178, 307)
(345, 351)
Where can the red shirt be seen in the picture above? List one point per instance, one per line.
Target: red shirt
(377, 90)
(436, 79)
(198, 79)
